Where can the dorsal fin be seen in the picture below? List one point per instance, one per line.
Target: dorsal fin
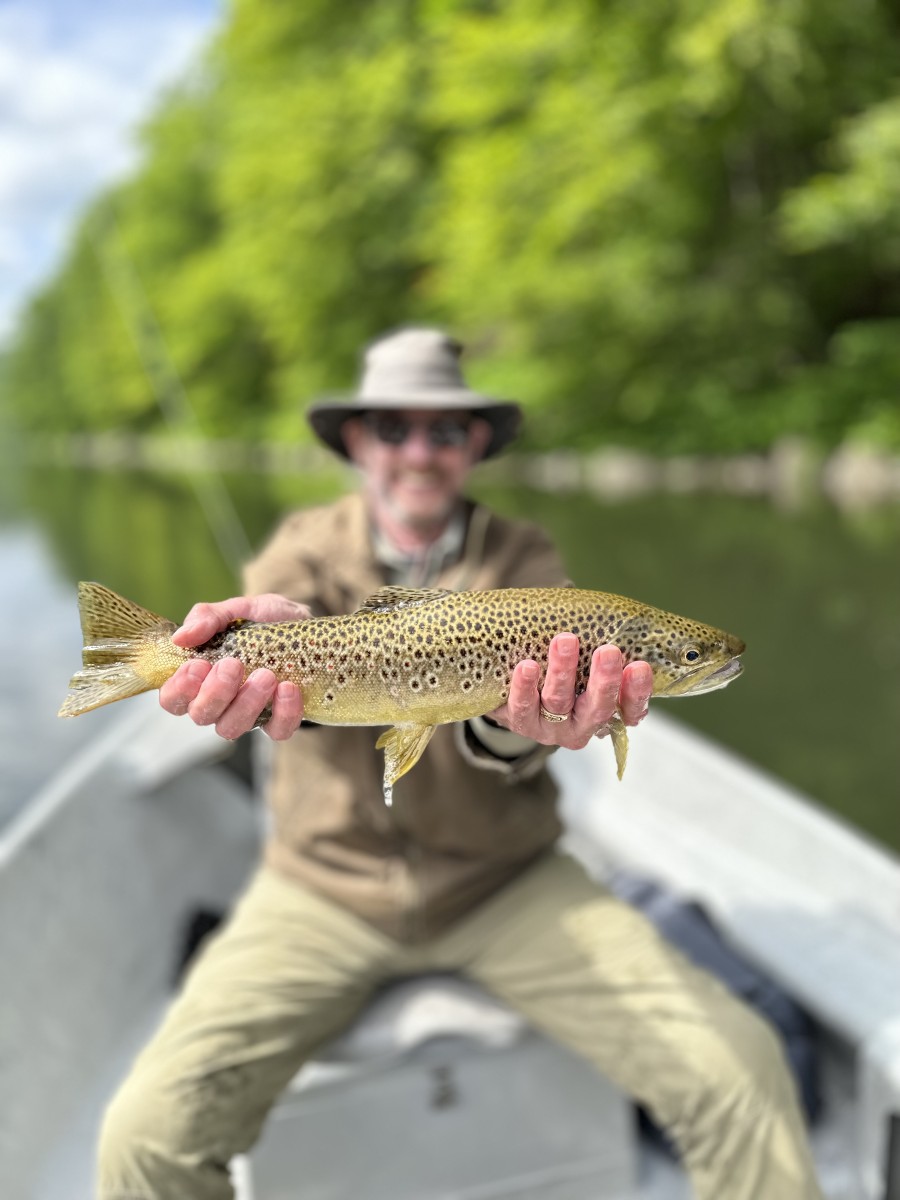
(401, 597)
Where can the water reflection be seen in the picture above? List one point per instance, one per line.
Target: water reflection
(41, 640)
(814, 594)
(146, 535)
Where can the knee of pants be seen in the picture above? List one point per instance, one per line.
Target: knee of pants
(136, 1135)
(739, 1075)
(762, 1062)
(155, 1134)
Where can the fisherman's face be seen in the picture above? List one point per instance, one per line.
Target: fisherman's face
(415, 462)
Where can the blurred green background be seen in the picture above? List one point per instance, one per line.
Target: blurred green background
(672, 225)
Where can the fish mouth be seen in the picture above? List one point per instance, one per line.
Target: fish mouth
(697, 683)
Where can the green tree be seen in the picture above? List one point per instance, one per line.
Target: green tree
(673, 226)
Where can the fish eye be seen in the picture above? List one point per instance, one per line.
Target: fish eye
(690, 654)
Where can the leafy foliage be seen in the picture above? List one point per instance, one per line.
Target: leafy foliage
(666, 225)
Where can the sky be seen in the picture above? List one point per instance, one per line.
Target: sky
(76, 78)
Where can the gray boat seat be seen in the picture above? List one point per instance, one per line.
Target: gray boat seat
(440, 1092)
(406, 1015)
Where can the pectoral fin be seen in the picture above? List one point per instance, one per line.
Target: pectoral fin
(615, 727)
(403, 746)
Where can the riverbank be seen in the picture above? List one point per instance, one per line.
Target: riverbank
(789, 474)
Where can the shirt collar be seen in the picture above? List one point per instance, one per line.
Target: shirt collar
(421, 569)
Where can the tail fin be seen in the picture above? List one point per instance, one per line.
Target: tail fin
(127, 650)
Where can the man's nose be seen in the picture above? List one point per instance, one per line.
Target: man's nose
(418, 447)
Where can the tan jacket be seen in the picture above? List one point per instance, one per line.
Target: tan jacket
(463, 822)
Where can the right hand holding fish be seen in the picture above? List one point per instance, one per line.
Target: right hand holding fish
(215, 694)
(613, 687)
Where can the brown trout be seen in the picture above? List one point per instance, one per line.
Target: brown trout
(408, 658)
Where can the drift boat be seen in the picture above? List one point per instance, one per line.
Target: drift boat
(438, 1092)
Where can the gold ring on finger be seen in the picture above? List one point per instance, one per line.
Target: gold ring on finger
(553, 717)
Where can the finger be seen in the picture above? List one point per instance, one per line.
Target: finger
(243, 711)
(635, 692)
(601, 696)
(203, 622)
(177, 693)
(217, 691)
(558, 692)
(287, 712)
(523, 701)
(272, 607)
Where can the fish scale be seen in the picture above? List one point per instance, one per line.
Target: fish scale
(410, 659)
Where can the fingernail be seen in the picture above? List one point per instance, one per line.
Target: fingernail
(566, 643)
(285, 691)
(610, 656)
(198, 669)
(530, 672)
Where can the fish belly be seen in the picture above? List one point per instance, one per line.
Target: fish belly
(400, 701)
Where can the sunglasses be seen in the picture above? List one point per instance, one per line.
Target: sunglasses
(393, 429)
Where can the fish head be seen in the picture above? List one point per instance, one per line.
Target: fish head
(687, 657)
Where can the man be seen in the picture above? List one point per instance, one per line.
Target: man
(461, 873)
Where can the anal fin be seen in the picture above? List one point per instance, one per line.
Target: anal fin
(615, 728)
(403, 746)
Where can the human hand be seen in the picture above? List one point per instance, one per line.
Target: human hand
(216, 694)
(611, 688)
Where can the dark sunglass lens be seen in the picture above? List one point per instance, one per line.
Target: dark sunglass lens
(389, 427)
(448, 431)
(393, 429)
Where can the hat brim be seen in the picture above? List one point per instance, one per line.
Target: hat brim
(326, 417)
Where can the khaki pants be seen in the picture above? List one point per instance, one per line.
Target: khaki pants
(290, 970)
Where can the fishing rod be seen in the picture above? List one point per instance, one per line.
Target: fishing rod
(171, 396)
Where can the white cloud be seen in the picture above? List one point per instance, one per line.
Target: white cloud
(74, 82)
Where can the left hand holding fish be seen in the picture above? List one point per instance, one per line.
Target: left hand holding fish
(612, 689)
(216, 694)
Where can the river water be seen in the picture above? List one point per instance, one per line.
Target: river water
(815, 593)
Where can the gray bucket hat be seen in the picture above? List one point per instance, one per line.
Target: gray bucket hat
(414, 368)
